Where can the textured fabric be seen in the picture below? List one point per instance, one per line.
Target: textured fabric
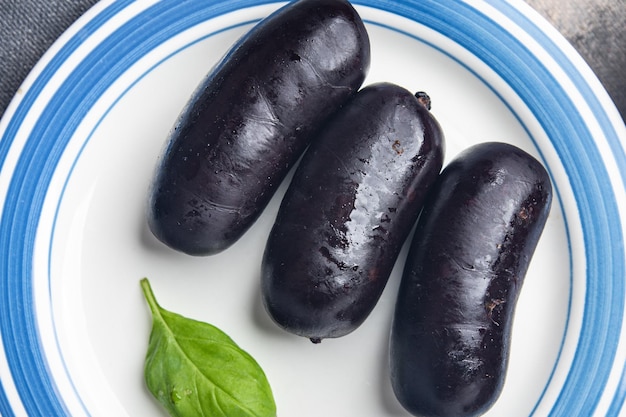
(597, 28)
(27, 29)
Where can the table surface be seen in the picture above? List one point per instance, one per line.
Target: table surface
(596, 28)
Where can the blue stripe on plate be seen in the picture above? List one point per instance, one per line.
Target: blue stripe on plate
(604, 306)
(5, 406)
(605, 278)
(556, 191)
(40, 155)
(483, 37)
(620, 395)
(103, 116)
(617, 148)
(16, 320)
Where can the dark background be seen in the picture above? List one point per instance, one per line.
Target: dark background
(596, 28)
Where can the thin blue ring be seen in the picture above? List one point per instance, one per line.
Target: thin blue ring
(556, 191)
(10, 289)
(23, 233)
(28, 368)
(104, 115)
(589, 373)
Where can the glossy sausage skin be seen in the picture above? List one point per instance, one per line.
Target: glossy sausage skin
(250, 120)
(471, 249)
(351, 204)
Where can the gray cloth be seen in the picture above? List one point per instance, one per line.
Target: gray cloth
(27, 29)
(595, 27)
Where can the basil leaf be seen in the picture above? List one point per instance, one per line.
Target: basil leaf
(195, 369)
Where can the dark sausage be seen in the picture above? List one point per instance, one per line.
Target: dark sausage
(471, 249)
(250, 120)
(350, 206)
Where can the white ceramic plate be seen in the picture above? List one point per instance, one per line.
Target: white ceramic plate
(78, 147)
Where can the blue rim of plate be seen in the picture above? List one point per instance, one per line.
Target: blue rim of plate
(511, 59)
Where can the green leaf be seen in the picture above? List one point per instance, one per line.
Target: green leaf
(195, 369)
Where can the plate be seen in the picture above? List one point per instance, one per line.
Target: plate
(79, 144)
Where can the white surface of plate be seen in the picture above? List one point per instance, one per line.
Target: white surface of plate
(78, 147)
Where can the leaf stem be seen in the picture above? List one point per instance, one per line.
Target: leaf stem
(149, 295)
